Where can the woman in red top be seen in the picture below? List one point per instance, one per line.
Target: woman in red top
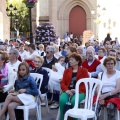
(70, 77)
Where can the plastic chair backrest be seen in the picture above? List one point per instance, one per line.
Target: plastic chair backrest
(38, 78)
(90, 84)
(47, 69)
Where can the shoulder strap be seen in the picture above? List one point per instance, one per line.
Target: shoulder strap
(101, 75)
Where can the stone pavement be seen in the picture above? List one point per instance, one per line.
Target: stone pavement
(45, 116)
(51, 116)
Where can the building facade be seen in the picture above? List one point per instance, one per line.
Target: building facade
(66, 15)
(75, 16)
(4, 22)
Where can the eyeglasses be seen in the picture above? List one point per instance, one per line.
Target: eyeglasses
(47, 52)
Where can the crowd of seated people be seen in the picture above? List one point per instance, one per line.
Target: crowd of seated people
(67, 64)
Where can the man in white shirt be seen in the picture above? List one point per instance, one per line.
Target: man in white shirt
(11, 46)
(32, 52)
(23, 53)
(67, 39)
(13, 59)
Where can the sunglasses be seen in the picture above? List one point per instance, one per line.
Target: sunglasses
(47, 52)
(11, 53)
(118, 52)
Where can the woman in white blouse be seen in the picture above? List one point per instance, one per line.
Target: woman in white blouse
(111, 82)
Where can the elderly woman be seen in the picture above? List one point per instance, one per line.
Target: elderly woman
(111, 87)
(38, 61)
(70, 77)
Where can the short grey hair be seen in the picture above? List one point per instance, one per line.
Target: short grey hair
(15, 51)
(80, 47)
(50, 48)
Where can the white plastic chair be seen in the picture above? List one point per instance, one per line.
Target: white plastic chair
(45, 94)
(58, 113)
(87, 112)
(38, 78)
(83, 101)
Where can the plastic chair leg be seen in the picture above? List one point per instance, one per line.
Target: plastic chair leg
(46, 101)
(39, 110)
(7, 117)
(117, 114)
(26, 114)
(66, 116)
(58, 114)
(38, 113)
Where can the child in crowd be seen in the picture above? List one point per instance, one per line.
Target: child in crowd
(25, 90)
(55, 78)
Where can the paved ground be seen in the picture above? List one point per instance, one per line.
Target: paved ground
(45, 116)
(51, 116)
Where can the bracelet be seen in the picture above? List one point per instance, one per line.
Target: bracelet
(110, 93)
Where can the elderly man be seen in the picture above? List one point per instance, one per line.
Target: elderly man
(49, 59)
(13, 59)
(91, 64)
(80, 52)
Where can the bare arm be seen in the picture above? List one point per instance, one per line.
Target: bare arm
(117, 90)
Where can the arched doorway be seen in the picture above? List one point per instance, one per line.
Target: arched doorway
(77, 21)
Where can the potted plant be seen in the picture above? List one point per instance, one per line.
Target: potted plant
(30, 3)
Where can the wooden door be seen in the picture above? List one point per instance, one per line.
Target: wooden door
(77, 21)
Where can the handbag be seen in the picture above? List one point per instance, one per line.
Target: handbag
(68, 105)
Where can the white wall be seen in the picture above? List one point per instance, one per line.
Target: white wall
(1, 25)
(112, 13)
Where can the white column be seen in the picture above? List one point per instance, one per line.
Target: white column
(53, 13)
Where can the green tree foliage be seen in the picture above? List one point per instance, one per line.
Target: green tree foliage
(22, 24)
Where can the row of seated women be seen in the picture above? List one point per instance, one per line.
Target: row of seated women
(109, 94)
(110, 79)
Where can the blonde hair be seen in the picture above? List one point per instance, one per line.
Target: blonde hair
(41, 45)
(40, 58)
(56, 47)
